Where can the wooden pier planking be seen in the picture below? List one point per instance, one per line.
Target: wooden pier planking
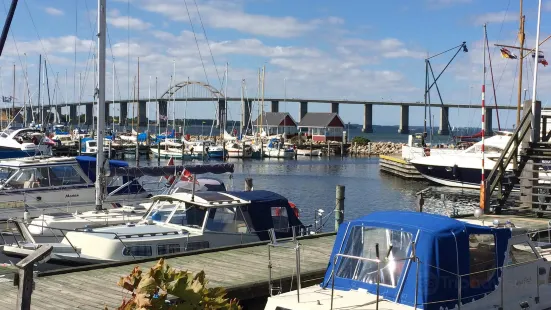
(243, 270)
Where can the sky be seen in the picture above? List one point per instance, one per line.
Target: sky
(354, 49)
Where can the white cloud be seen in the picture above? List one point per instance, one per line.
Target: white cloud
(495, 17)
(125, 22)
(387, 48)
(64, 44)
(54, 11)
(230, 16)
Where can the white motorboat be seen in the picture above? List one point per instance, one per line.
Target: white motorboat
(23, 142)
(176, 223)
(462, 169)
(308, 152)
(411, 260)
(208, 148)
(237, 150)
(90, 147)
(39, 183)
(277, 149)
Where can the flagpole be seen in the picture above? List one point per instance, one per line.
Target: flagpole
(483, 113)
(535, 116)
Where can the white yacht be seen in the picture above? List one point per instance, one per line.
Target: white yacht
(39, 183)
(410, 260)
(23, 142)
(176, 223)
(462, 169)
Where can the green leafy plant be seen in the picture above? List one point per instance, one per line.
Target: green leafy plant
(359, 140)
(151, 290)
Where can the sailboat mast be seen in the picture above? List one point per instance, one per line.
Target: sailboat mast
(25, 94)
(242, 123)
(138, 96)
(262, 108)
(39, 82)
(225, 116)
(174, 96)
(536, 115)
(483, 112)
(79, 96)
(158, 114)
(147, 108)
(13, 96)
(100, 171)
(113, 102)
(521, 58)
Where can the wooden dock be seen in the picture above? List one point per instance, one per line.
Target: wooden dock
(241, 269)
(395, 165)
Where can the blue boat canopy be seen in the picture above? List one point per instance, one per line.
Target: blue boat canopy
(450, 254)
(88, 164)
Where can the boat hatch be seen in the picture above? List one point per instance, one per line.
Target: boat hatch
(57, 215)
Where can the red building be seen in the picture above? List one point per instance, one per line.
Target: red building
(322, 126)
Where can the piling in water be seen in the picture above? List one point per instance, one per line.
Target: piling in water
(248, 184)
(339, 206)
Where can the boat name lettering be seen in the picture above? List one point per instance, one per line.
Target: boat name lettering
(524, 281)
(71, 195)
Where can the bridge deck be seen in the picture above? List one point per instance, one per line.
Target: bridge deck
(242, 270)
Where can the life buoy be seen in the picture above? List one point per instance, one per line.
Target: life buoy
(426, 151)
(295, 209)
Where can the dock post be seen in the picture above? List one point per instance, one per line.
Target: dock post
(109, 150)
(328, 148)
(26, 276)
(342, 149)
(339, 206)
(248, 184)
(310, 149)
(137, 152)
(420, 202)
(158, 152)
(243, 151)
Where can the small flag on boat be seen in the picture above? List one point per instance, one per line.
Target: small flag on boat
(116, 205)
(186, 176)
(170, 178)
(505, 53)
(541, 58)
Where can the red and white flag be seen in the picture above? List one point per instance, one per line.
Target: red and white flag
(170, 178)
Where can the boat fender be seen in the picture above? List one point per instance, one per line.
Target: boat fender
(295, 209)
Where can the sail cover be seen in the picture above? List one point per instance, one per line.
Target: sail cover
(169, 170)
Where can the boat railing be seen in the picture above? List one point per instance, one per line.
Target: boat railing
(294, 245)
(23, 231)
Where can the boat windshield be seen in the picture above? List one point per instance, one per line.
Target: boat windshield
(34, 177)
(6, 173)
(361, 243)
(487, 149)
(184, 215)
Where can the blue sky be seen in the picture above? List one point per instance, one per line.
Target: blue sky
(356, 49)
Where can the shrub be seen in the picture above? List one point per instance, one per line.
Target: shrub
(359, 140)
(150, 290)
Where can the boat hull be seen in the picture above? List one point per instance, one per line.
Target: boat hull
(455, 176)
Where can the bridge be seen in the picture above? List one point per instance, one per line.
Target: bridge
(193, 91)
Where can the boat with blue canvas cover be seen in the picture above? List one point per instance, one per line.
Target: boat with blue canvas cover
(408, 260)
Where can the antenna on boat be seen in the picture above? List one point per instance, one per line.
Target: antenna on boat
(100, 171)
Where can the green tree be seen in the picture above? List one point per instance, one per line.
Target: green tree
(150, 290)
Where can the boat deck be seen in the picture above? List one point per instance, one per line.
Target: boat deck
(242, 270)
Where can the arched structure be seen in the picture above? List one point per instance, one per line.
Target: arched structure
(214, 93)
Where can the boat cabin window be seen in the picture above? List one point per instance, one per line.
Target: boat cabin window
(361, 244)
(280, 218)
(160, 211)
(30, 178)
(6, 173)
(92, 143)
(189, 215)
(477, 148)
(137, 250)
(197, 245)
(228, 220)
(65, 175)
(163, 249)
(521, 253)
(482, 259)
